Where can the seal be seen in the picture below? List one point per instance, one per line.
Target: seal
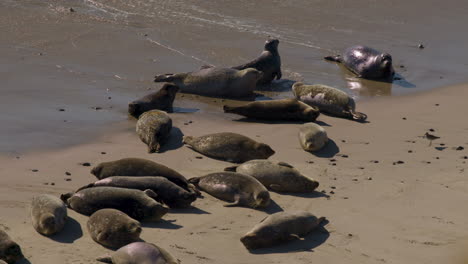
(48, 214)
(112, 228)
(229, 146)
(160, 100)
(141, 253)
(236, 188)
(168, 192)
(215, 82)
(312, 137)
(284, 109)
(277, 176)
(287, 226)
(137, 204)
(10, 251)
(153, 128)
(366, 62)
(328, 100)
(269, 62)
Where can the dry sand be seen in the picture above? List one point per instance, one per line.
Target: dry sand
(380, 212)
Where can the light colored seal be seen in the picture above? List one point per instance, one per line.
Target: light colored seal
(277, 176)
(279, 228)
(48, 214)
(329, 100)
(236, 188)
(312, 137)
(366, 63)
(228, 146)
(284, 109)
(153, 128)
(137, 204)
(160, 100)
(215, 82)
(139, 253)
(113, 229)
(10, 251)
(168, 192)
(269, 62)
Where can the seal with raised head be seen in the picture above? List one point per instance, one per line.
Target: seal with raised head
(328, 100)
(10, 251)
(284, 109)
(168, 192)
(160, 100)
(139, 205)
(139, 253)
(153, 128)
(312, 137)
(366, 62)
(48, 214)
(277, 176)
(228, 146)
(279, 228)
(215, 82)
(112, 228)
(269, 62)
(235, 188)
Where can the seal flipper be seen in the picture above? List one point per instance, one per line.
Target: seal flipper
(284, 164)
(151, 193)
(235, 203)
(275, 187)
(168, 77)
(336, 58)
(206, 66)
(294, 237)
(106, 259)
(232, 168)
(358, 116)
(278, 75)
(84, 187)
(228, 109)
(64, 197)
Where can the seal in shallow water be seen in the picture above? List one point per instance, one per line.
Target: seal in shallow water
(366, 62)
(236, 188)
(284, 109)
(139, 253)
(312, 137)
(216, 82)
(160, 100)
(269, 62)
(229, 146)
(48, 214)
(10, 251)
(328, 100)
(154, 128)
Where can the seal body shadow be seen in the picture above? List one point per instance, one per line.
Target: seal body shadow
(153, 128)
(160, 100)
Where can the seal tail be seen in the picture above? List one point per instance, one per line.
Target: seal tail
(336, 58)
(228, 109)
(168, 77)
(232, 168)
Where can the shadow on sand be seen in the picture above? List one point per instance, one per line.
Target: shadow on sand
(174, 142)
(163, 224)
(72, 231)
(190, 210)
(330, 150)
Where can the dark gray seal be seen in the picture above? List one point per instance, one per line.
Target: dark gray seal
(153, 128)
(137, 204)
(160, 100)
(269, 62)
(312, 137)
(139, 253)
(284, 109)
(366, 63)
(236, 188)
(48, 214)
(215, 82)
(112, 228)
(168, 192)
(277, 176)
(228, 146)
(328, 100)
(279, 228)
(10, 251)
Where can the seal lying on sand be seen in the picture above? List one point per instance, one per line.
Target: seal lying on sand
(312, 137)
(217, 82)
(168, 192)
(229, 146)
(10, 252)
(236, 188)
(137, 204)
(269, 62)
(112, 228)
(161, 100)
(285, 109)
(279, 228)
(329, 100)
(48, 214)
(153, 128)
(277, 176)
(141, 253)
(366, 63)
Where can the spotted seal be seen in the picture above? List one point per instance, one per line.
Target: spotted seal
(312, 137)
(153, 128)
(141, 253)
(10, 251)
(329, 100)
(48, 214)
(160, 100)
